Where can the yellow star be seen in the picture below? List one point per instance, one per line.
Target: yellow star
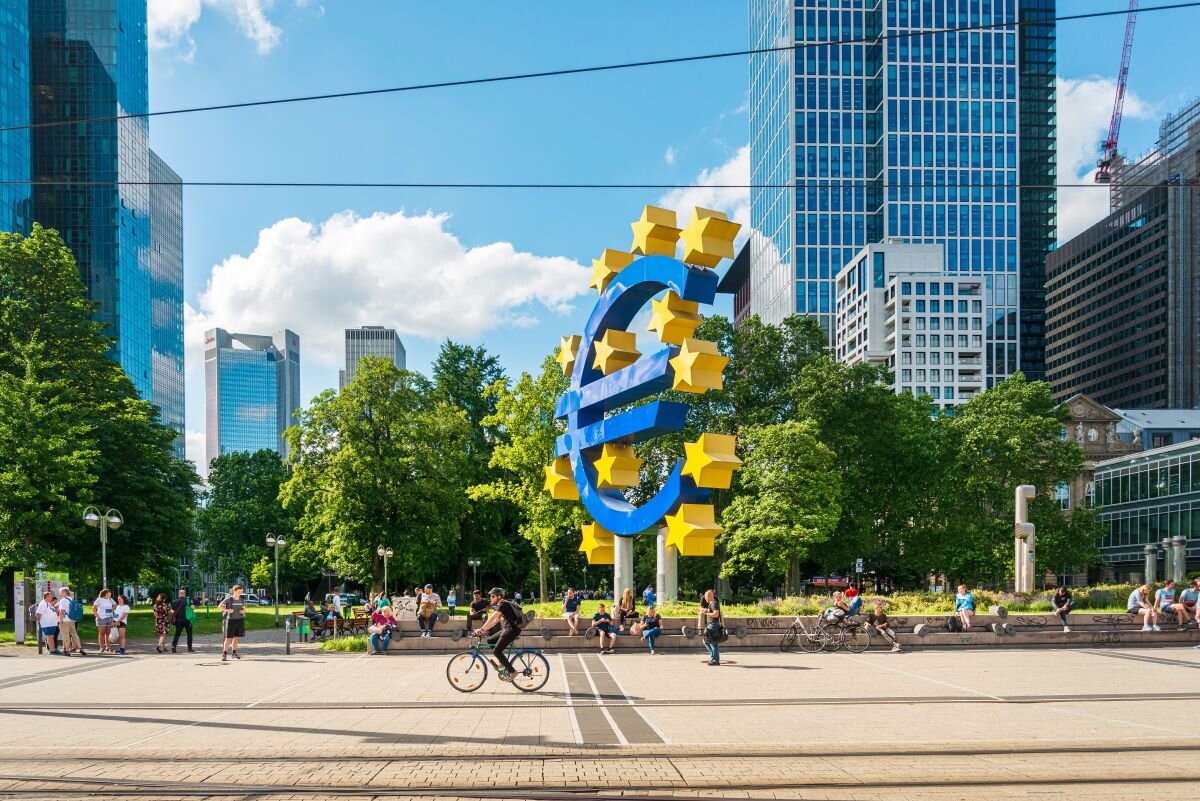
(693, 529)
(711, 460)
(605, 268)
(614, 350)
(674, 318)
(597, 544)
(708, 238)
(560, 482)
(655, 234)
(568, 350)
(618, 466)
(698, 367)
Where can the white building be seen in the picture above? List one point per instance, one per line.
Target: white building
(371, 340)
(897, 306)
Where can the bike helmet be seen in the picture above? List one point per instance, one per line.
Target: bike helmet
(496, 591)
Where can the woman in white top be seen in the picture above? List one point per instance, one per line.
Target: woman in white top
(103, 610)
(47, 617)
(121, 620)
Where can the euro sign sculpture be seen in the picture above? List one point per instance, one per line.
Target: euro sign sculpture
(595, 460)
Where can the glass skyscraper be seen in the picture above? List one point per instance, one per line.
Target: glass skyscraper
(89, 59)
(16, 203)
(251, 390)
(867, 133)
(166, 296)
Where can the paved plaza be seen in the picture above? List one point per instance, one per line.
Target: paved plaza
(970, 723)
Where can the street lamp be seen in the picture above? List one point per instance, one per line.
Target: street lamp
(109, 520)
(554, 569)
(585, 578)
(474, 565)
(276, 543)
(386, 553)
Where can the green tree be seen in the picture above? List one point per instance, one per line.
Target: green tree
(381, 462)
(525, 416)
(1066, 541)
(787, 501)
(240, 507)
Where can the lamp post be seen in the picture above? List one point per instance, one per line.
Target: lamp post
(386, 553)
(585, 578)
(474, 565)
(109, 520)
(276, 543)
(554, 570)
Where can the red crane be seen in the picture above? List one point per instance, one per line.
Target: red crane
(1109, 148)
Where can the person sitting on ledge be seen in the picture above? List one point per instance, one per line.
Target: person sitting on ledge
(602, 622)
(1164, 599)
(650, 626)
(964, 606)
(1062, 603)
(878, 620)
(1139, 605)
(1188, 598)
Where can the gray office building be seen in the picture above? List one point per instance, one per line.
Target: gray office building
(1123, 297)
(370, 340)
(251, 390)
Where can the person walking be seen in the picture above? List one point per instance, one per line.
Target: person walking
(710, 615)
(162, 618)
(102, 610)
(1062, 603)
(427, 608)
(69, 613)
(234, 610)
(47, 617)
(179, 617)
(648, 596)
(121, 621)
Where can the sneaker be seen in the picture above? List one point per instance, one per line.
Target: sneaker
(174, 650)
(651, 652)
(1156, 627)
(1146, 628)
(235, 655)
(224, 657)
(504, 675)
(121, 651)
(1066, 629)
(714, 664)
(896, 648)
(191, 650)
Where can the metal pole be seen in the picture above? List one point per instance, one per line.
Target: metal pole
(104, 551)
(385, 575)
(276, 583)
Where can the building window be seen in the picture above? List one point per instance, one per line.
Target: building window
(1160, 440)
(1062, 495)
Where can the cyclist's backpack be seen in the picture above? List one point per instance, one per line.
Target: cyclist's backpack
(76, 611)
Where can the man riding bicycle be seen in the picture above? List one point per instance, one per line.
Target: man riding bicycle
(508, 615)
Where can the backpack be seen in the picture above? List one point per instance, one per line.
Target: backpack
(76, 611)
(953, 624)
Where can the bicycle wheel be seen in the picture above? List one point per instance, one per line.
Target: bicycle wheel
(857, 638)
(466, 672)
(533, 671)
(788, 643)
(812, 641)
(833, 638)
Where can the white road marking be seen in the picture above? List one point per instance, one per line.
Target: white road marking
(645, 719)
(935, 681)
(562, 668)
(600, 702)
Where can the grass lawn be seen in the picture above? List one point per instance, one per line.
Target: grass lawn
(141, 623)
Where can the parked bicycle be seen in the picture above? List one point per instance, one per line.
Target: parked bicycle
(826, 635)
(467, 671)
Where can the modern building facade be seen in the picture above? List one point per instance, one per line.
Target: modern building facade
(89, 60)
(920, 137)
(251, 391)
(16, 197)
(1158, 428)
(1123, 297)
(897, 305)
(1146, 500)
(166, 297)
(736, 282)
(371, 340)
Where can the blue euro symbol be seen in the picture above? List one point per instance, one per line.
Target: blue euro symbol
(592, 394)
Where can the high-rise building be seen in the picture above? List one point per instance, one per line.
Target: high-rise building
(89, 60)
(166, 297)
(370, 340)
(1123, 297)
(16, 198)
(919, 137)
(251, 390)
(897, 306)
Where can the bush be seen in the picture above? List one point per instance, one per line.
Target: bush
(358, 643)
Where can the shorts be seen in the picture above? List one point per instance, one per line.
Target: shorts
(606, 627)
(235, 627)
(49, 631)
(121, 625)
(570, 614)
(104, 621)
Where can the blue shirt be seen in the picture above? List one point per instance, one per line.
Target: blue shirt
(571, 604)
(964, 602)
(649, 597)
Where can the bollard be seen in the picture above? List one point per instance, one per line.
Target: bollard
(999, 611)
(287, 635)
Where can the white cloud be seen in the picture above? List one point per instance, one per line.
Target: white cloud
(169, 22)
(712, 190)
(669, 156)
(194, 446)
(391, 269)
(1084, 110)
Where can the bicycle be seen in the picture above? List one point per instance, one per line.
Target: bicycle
(799, 634)
(467, 671)
(826, 635)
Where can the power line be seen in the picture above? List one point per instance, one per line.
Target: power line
(867, 183)
(600, 68)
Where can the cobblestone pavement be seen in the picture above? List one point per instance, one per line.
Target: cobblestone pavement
(1084, 723)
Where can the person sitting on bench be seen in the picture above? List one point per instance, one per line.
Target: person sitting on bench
(1139, 605)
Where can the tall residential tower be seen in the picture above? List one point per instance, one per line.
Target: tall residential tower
(872, 131)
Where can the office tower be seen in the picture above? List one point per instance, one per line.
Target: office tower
(251, 390)
(921, 138)
(1123, 297)
(16, 200)
(166, 297)
(90, 60)
(370, 340)
(897, 306)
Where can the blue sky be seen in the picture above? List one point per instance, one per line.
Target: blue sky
(497, 267)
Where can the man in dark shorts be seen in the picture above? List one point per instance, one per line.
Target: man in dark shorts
(233, 607)
(508, 615)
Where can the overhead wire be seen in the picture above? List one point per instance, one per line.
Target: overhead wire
(799, 184)
(602, 67)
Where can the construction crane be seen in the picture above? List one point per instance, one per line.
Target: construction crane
(1108, 156)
